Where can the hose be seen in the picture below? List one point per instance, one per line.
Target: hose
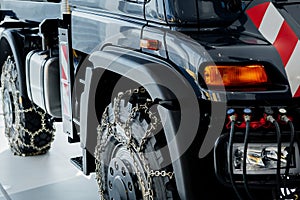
(229, 157)
(271, 119)
(246, 140)
(278, 179)
(289, 157)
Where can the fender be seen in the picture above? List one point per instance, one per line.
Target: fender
(282, 31)
(9, 42)
(162, 82)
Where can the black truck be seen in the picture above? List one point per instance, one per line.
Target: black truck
(169, 99)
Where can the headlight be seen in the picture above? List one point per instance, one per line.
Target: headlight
(235, 76)
(262, 158)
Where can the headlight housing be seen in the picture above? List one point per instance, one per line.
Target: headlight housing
(262, 158)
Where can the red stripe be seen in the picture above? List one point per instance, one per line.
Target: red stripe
(257, 13)
(63, 73)
(285, 42)
(65, 103)
(65, 52)
(297, 94)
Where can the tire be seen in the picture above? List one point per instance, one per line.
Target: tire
(125, 169)
(29, 129)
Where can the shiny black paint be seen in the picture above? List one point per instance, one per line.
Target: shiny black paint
(96, 24)
(185, 49)
(32, 11)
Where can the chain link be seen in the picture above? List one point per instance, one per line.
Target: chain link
(100, 129)
(135, 148)
(161, 173)
(9, 77)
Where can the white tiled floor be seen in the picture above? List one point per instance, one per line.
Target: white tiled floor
(48, 177)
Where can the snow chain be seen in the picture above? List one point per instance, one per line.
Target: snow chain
(33, 134)
(9, 76)
(129, 142)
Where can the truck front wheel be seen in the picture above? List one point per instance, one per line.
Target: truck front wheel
(29, 129)
(129, 163)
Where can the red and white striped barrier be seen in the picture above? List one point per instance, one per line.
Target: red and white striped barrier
(279, 33)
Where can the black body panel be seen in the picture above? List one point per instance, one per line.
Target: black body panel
(108, 36)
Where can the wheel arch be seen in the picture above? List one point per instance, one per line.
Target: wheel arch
(145, 71)
(9, 44)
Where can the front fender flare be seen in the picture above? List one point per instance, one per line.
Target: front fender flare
(162, 81)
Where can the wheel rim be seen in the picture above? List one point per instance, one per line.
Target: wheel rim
(122, 180)
(8, 108)
(124, 138)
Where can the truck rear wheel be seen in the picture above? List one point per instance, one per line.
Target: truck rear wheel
(127, 164)
(29, 129)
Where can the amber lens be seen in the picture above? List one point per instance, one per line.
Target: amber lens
(218, 75)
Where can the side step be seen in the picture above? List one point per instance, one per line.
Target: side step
(77, 162)
(85, 163)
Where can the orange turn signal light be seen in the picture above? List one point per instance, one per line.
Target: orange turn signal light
(150, 44)
(230, 76)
